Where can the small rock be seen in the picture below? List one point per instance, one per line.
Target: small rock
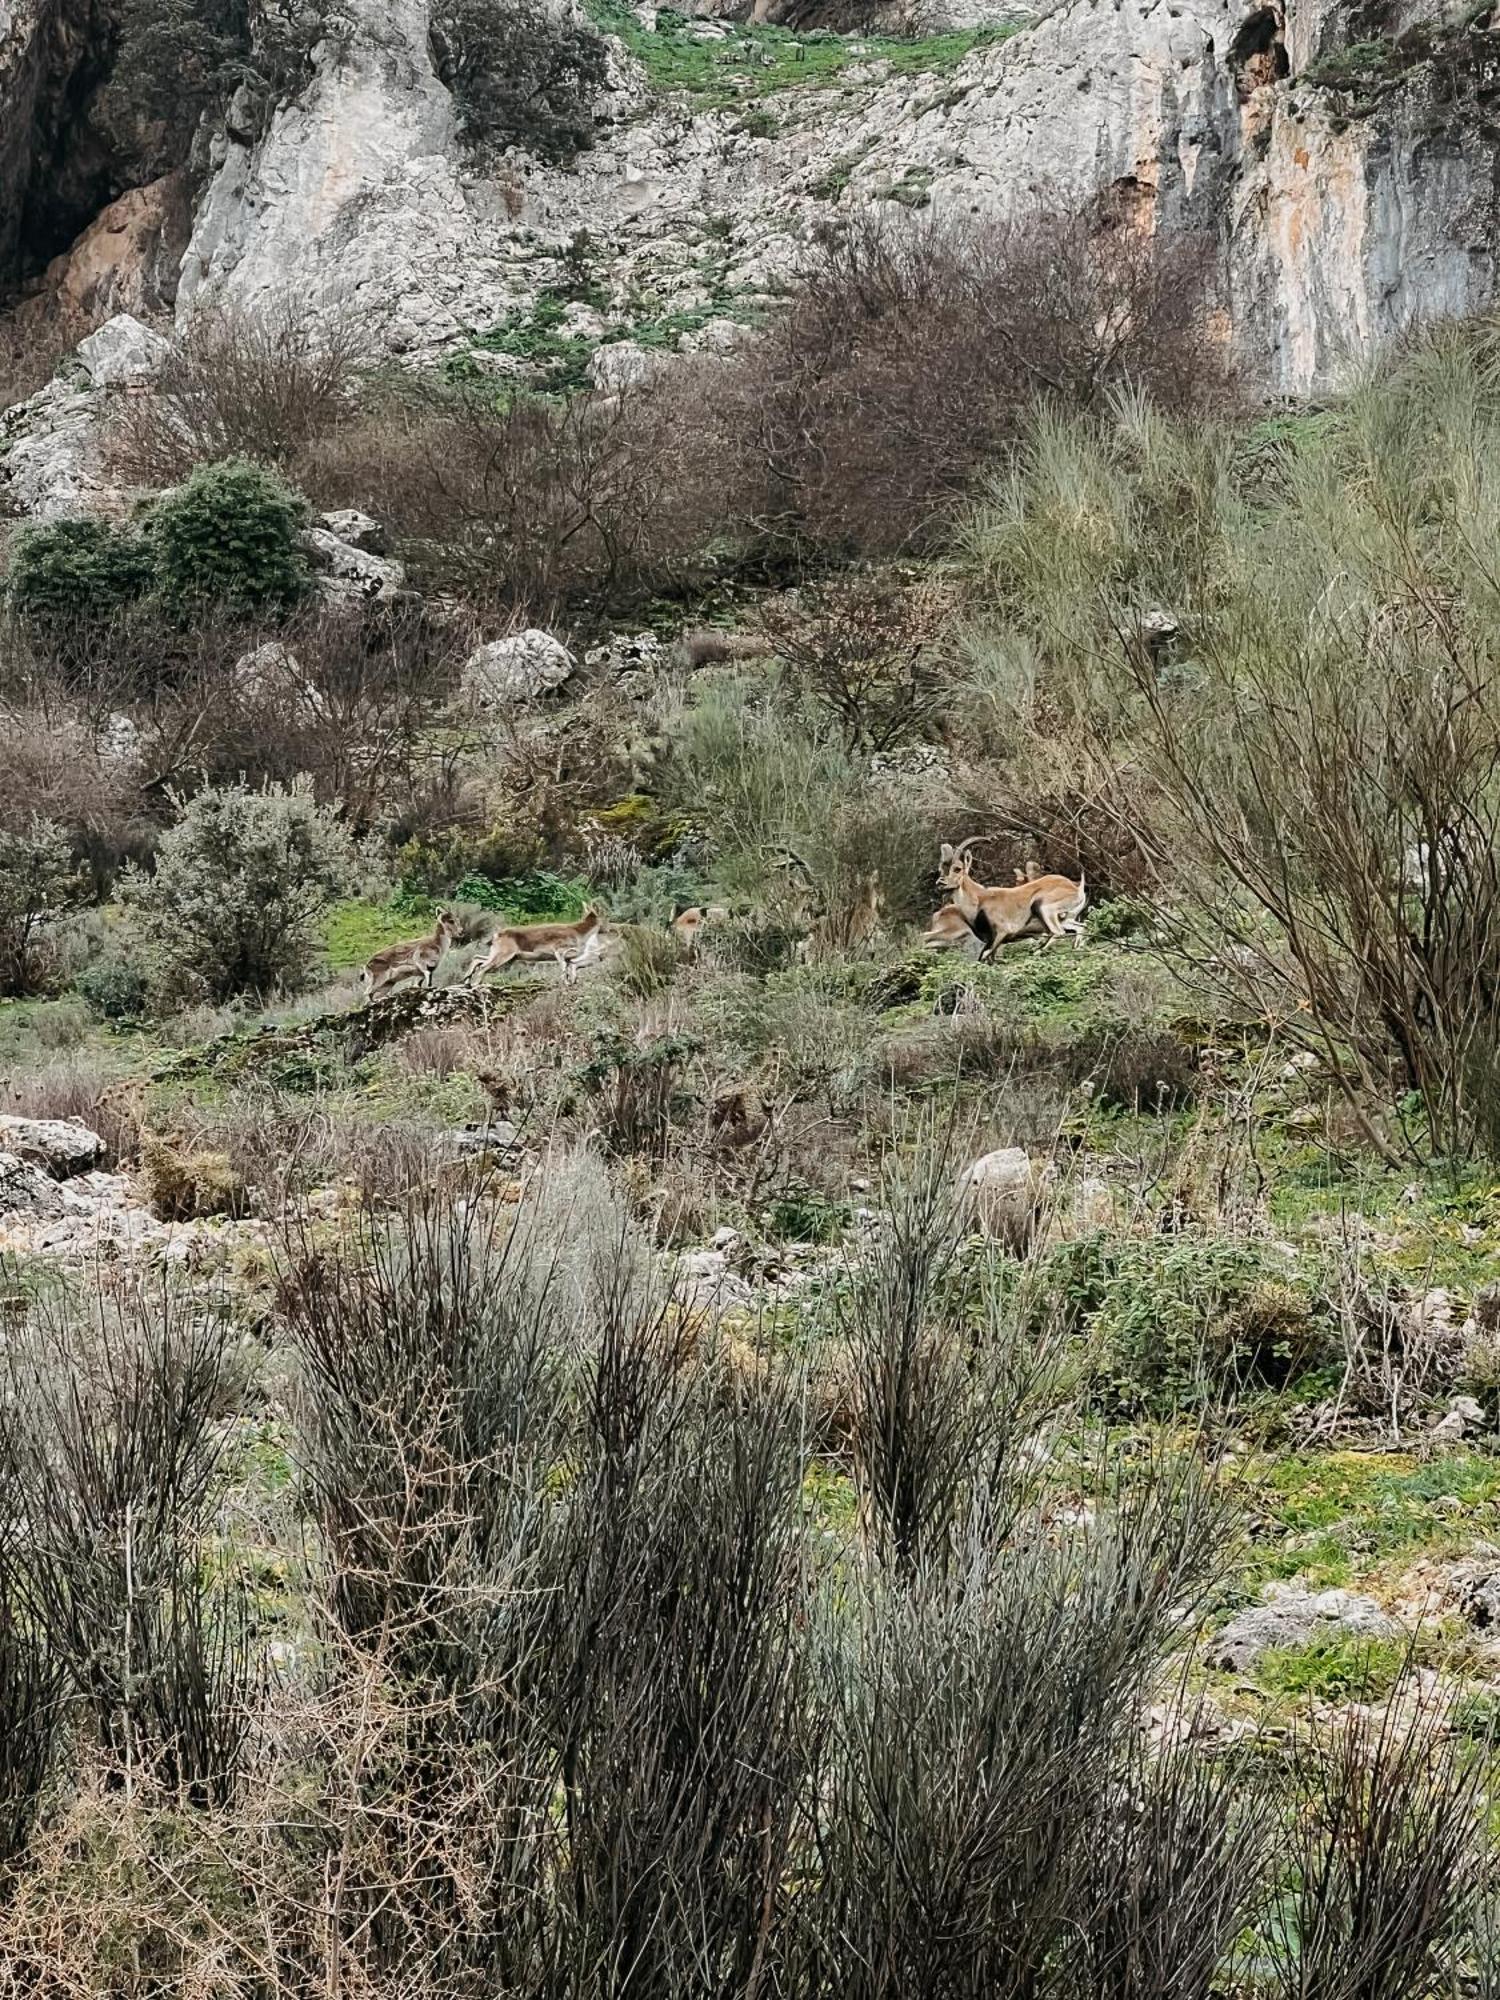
(1475, 1591)
(1294, 1616)
(914, 761)
(62, 1146)
(718, 336)
(1000, 1194)
(473, 1141)
(1464, 1415)
(1158, 628)
(355, 530)
(347, 575)
(26, 1190)
(704, 1282)
(122, 351)
(622, 364)
(119, 739)
(623, 658)
(522, 668)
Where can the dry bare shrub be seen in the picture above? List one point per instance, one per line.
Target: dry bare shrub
(1384, 1862)
(342, 700)
(263, 384)
(33, 342)
(912, 354)
(52, 767)
(79, 1089)
(184, 1183)
(537, 503)
(862, 650)
(109, 1453)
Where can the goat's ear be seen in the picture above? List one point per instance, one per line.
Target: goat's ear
(947, 851)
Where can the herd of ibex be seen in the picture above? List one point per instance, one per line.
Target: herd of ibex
(978, 920)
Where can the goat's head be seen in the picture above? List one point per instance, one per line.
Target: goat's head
(953, 864)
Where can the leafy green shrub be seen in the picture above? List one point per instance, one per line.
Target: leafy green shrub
(519, 74)
(239, 891)
(802, 1215)
(1176, 1323)
(1121, 917)
(38, 881)
(537, 897)
(1205, 1321)
(76, 569)
(175, 60)
(638, 1091)
(115, 988)
(228, 536)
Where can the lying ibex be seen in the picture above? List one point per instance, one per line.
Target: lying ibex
(948, 929)
(571, 945)
(1054, 901)
(417, 958)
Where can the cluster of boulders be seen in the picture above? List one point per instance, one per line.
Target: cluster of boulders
(56, 1198)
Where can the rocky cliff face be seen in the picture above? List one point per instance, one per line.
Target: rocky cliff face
(1342, 161)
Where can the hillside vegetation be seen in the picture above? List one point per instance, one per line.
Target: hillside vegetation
(779, 1459)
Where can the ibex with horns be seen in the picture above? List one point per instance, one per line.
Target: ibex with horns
(1053, 901)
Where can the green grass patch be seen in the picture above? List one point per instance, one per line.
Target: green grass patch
(1043, 987)
(1339, 1516)
(357, 929)
(536, 336)
(752, 61)
(1334, 1669)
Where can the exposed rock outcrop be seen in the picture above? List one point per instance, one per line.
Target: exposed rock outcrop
(49, 445)
(1338, 167)
(60, 1146)
(1295, 1616)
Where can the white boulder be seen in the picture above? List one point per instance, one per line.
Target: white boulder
(355, 530)
(122, 352)
(521, 668)
(61, 1146)
(349, 575)
(1000, 1194)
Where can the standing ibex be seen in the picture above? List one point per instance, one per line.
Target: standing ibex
(417, 958)
(1054, 901)
(848, 928)
(571, 945)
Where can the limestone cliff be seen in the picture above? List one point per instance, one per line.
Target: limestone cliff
(1342, 161)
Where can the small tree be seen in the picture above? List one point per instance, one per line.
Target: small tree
(228, 536)
(38, 881)
(76, 569)
(239, 885)
(519, 75)
(862, 652)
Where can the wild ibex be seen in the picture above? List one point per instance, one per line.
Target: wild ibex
(417, 958)
(571, 945)
(948, 929)
(688, 921)
(1054, 901)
